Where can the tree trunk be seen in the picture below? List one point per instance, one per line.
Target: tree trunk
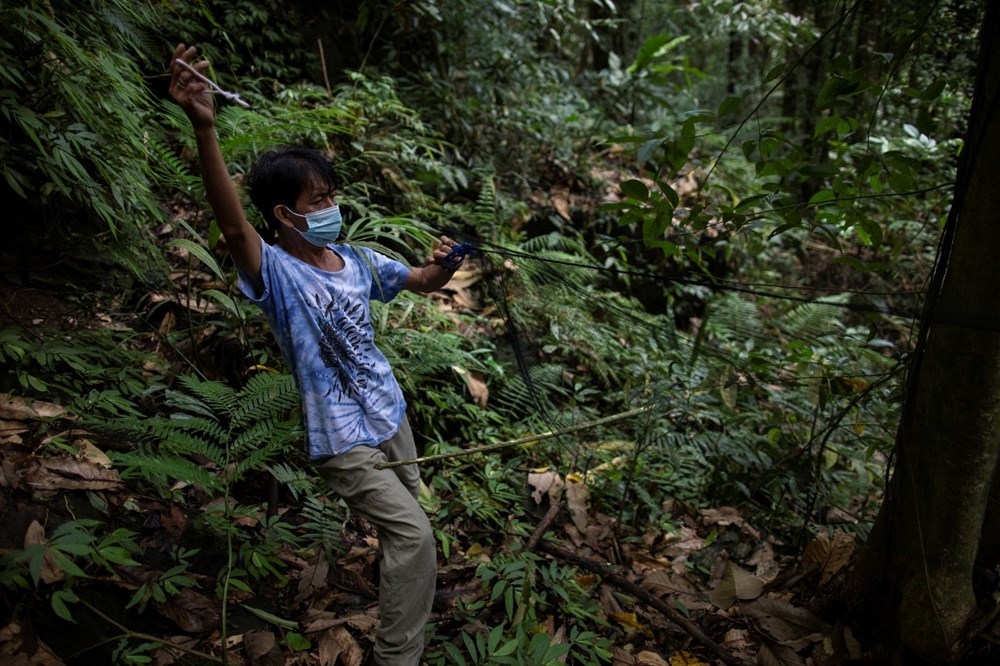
(914, 579)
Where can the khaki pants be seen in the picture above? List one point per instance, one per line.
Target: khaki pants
(408, 557)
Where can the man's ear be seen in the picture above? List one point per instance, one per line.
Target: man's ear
(283, 215)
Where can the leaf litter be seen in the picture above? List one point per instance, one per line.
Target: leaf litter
(333, 600)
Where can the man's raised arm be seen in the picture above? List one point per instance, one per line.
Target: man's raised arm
(192, 96)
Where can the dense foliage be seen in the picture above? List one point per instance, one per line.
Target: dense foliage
(724, 213)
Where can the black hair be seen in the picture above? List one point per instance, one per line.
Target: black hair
(280, 175)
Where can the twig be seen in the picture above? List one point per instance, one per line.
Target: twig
(322, 62)
(514, 442)
(128, 633)
(986, 624)
(213, 87)
(543, 526)
(619, 581)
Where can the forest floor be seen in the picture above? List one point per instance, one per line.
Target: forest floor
(708, 588)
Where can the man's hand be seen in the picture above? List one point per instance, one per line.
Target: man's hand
(438, 272)
(442, 252)
(188, 92)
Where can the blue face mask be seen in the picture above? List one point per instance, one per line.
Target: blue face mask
(324, 226)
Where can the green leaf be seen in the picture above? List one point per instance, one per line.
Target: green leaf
(297, 642)
(671, 195)
(118, 555)
(822, 197)
(508, 648)
(470, 646)
(555, 652)
(59, 599)
(635, 189)
(646, 149)
(934, 90)
(227, 302)
(214, 234)
(655, 47)
(273, 619)
(496, 635)
(730, 105)
(201, 253)
(453, 652)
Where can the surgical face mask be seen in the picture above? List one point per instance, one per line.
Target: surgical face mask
(324, 226)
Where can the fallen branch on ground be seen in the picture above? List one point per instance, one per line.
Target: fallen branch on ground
(609, 576)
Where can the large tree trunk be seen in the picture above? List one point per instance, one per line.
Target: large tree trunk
(914, 579)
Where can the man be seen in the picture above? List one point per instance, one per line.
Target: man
(316, 296)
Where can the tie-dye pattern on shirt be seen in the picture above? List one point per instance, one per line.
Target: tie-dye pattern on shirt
(322, 323)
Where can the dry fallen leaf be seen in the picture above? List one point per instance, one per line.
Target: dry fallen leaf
(192, 611)
(318, 621)
(828, 555)
(620, 657)
(35, 536)
(630, 621)
(772, 654)
(578, 499)
(559, 197)
(545, 484)
(22, 409)
(21, 648)
(679, 588)
(313, 576)
(338, 644)
(684, 658)
(165, 655)
(788, 625)
(736, 584)
(646, 658)
(70, 474)
(725, 516)
(478, 391)
(258, 643)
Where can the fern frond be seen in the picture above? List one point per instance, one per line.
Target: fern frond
(207, 429)
(324, 521)
(162, 470)
(298, 481)
(266, 396)
(255, 460)
(170, 171)
(265, 433)
(180, 442)
(813, 320)
(215, 398)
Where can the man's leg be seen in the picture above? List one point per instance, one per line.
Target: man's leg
(408, 554)
(402, 447)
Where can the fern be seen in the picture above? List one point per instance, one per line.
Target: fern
(218, 398)
(266, 396)
(163, 470)
(323, 521)
(300, 483)
(170, 172)
(206, 428)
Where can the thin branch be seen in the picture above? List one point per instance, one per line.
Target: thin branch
(128, 633)
(628, 586)
(515, 442)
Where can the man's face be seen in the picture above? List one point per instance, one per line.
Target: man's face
(316, 195)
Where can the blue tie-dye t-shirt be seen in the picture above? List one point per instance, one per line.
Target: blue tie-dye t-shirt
(322, 322)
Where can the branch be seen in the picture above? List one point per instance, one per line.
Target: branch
(514, 442)
(623, 583)
(128, 633)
